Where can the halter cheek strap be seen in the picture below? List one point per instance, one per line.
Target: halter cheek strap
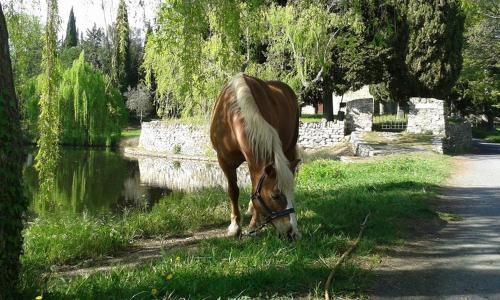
(271, 215)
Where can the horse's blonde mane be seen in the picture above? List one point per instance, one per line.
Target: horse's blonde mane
(263, 138)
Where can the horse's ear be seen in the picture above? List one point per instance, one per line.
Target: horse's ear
(294, 163)
(270, 171)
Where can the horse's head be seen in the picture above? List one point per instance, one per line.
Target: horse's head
(276, 205)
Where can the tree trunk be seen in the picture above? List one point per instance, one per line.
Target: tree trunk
(381, 108)
(490, 124)
(327, 101)
(400, 113)
(12, 202)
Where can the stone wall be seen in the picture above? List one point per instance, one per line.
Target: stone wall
(180, 139)
(458, 137)
(426, 115)
(359, 113)
(194, 141)
(359, 147)
(321, 134)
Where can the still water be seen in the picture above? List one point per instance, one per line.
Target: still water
(103, 181)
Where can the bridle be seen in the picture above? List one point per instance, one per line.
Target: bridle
(271, 215)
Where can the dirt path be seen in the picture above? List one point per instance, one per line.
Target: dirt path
(462, 260)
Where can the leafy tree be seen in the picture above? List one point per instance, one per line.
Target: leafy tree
(139, 101)
(25, 37)
(95, 49)
(301, 39)
(121, 62)
(91, 110)
(48, 122)
(12, 202)
(71, 39)
(478, 90)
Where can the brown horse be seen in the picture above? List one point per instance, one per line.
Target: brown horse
(257, 121)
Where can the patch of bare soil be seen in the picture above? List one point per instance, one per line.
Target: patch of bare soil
(333, 152)
(141, 252)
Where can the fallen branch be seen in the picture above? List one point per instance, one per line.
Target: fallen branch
(343, 257)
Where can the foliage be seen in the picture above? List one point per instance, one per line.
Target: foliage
(68, 55)
(96, 52)
(121, 62)
(48, 120)
(435, 40)
(195, 49)
(71, 39)
(25, 37)
(478, 90)
(331, 201)
(91, 109)
(413, 46)
(139, 101)
(12, 201)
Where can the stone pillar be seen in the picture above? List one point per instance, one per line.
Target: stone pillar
(359, 114)
(426, 115)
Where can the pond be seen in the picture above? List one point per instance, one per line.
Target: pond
(103, 181)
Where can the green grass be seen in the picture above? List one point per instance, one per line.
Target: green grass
(382, 119)
(67, 239)
(131, 133)
(492, 136)
(406, 139)
(331, 199)
(310, 118)
(197, 120)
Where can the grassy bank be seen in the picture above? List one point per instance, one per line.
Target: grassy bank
(492, 136)
(332, 199)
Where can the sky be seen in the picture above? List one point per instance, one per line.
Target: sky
(88, 12)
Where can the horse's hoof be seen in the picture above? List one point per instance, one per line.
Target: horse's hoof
(234, 230)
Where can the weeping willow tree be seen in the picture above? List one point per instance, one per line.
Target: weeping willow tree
(301, 38)
(92, 111)
(48, 121)
(196, 47)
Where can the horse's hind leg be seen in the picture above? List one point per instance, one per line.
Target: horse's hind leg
(232, 187)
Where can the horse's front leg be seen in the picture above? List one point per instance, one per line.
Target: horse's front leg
(232, 187)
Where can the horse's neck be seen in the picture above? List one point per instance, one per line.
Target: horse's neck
(256, 170)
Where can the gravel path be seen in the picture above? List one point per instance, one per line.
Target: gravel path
(462, 259)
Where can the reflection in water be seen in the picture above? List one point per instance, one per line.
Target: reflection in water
(95, 181)
(186, 175)
(98, 181)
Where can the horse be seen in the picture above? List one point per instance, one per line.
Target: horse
(258, 122)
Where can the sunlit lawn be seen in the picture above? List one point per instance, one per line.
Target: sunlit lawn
(332, 199)
(131, 133)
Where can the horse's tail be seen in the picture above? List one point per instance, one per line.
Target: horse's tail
(263, 138)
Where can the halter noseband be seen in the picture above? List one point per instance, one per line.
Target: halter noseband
(271, 215)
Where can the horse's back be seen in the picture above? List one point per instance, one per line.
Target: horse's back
(276, 103)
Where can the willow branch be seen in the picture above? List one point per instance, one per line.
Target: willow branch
(343, 257)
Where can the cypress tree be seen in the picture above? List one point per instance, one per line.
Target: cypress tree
(12, 202)
(426, 57)
(71, 39)
(121, 61)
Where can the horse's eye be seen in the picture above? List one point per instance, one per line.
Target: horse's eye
(275, 196)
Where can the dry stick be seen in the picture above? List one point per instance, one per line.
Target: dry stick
(343, 257)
